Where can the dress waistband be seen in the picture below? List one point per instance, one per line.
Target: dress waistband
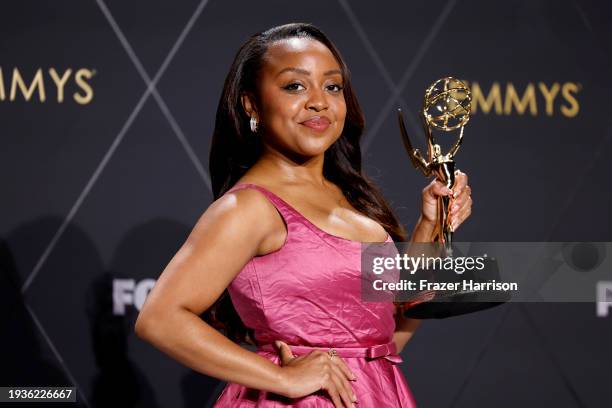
(387, 351)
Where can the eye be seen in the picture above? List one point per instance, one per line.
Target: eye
(335, 88)
(293, 86)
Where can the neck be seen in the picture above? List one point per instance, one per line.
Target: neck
(291, 170)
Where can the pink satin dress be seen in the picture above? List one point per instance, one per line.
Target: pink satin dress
(307, 294)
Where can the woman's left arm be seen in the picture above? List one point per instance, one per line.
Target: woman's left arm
(461, 208)
(404, 329)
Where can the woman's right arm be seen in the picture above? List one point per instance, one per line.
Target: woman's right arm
(229, 233)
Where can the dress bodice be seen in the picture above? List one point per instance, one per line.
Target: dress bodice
(308, 292)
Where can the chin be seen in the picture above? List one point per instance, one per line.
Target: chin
(314, 147)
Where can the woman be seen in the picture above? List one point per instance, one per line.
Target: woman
(283, 236)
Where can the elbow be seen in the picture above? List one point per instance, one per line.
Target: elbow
(153, 325)
(142, 326)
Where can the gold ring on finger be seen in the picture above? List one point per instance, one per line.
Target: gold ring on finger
(332, 353)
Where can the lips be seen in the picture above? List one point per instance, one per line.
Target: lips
(319, 123)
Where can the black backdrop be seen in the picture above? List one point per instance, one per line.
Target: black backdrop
(107, 109)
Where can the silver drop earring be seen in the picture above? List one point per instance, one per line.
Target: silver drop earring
(253, 124)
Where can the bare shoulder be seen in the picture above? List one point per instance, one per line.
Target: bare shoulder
(244, 217)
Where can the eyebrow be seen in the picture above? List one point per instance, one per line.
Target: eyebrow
(306, 72)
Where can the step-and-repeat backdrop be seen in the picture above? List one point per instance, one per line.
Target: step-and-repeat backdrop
(107, 109)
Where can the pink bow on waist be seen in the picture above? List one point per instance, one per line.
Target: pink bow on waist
(387, 351)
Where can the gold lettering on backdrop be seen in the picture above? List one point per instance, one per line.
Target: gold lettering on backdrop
(549, 95)
(37, 82)
(80, 74)
(513, 102)
(568, 91)
(512, 99)
(18, 86)
(493, 98)
(60, 82)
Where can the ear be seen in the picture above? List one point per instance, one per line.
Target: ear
(248, 104)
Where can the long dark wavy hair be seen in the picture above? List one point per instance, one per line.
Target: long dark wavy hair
(235, 149)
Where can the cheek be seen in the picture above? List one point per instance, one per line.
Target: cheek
(281, 109)
(340, 108)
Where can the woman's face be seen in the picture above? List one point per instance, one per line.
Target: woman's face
(302, 107)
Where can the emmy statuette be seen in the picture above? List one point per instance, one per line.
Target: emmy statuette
(446, 108)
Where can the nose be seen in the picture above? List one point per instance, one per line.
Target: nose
(317, 101)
